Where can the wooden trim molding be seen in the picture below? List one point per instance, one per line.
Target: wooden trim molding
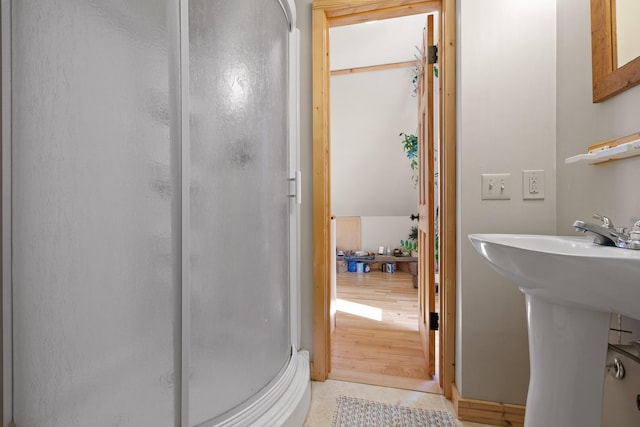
(326, 13)
(448, 233)
(321, 197)
(380, 67)
(615, 142)
(486, 412)
(404, 383)
(386, 13)
(347, 12)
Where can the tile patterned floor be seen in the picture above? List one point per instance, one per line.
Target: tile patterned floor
(323, 400)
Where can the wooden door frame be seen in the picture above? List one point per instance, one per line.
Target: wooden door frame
(328, 13)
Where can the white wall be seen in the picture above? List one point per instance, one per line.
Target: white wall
(384, 231)
(303, 12)
(506, 123)
(370, 173)
(375, 43)
(609, 189)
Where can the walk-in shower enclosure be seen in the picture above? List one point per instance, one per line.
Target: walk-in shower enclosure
(150, 214)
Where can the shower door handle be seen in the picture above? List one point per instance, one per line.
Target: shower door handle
(297, 180)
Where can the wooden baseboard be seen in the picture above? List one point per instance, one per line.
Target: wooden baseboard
(486, 412)
(315, 376)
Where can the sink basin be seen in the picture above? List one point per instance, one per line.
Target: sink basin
(571, 287)
(570, 269)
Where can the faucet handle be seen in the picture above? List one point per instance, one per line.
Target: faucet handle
(606, 222)
(634, 234)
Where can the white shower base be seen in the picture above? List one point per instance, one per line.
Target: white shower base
(286, 403)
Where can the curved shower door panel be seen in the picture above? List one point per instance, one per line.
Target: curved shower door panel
(94, 214)
(239, 236)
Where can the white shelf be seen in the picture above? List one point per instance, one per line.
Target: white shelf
(606, 153)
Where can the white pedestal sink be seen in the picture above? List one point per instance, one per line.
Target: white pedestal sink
(571, 286)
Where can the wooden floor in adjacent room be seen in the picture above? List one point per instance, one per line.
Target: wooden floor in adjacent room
(376, 339)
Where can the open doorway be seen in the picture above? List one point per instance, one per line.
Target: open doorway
(327, 14)
(378, 84)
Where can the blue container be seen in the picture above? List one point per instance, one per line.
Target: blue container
(360, 267)
(351, 266)
(390, 267)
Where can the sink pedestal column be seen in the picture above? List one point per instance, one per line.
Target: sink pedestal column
(568, 351)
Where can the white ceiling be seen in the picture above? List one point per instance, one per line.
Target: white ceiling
(376, 43)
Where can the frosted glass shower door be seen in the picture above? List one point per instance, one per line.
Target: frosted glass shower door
(240, 314)
(96, 225)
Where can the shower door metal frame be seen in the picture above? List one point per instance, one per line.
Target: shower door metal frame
(185, 182)
(7, 326)
(6, 369)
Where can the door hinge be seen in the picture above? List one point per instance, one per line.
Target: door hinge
(432, 54)
(434, 321)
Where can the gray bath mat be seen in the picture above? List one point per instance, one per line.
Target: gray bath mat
(353, 412)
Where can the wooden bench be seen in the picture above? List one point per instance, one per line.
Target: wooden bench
(405, 264)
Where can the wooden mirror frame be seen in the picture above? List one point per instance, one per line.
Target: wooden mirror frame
(608, 79)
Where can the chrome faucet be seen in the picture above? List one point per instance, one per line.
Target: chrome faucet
(608, 235)
(633, 242)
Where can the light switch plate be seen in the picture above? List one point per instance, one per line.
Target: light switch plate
(532, 184)
(496, 186)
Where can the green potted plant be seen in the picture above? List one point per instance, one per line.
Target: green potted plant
(410, 246)
(436, 244)
(410, 144)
